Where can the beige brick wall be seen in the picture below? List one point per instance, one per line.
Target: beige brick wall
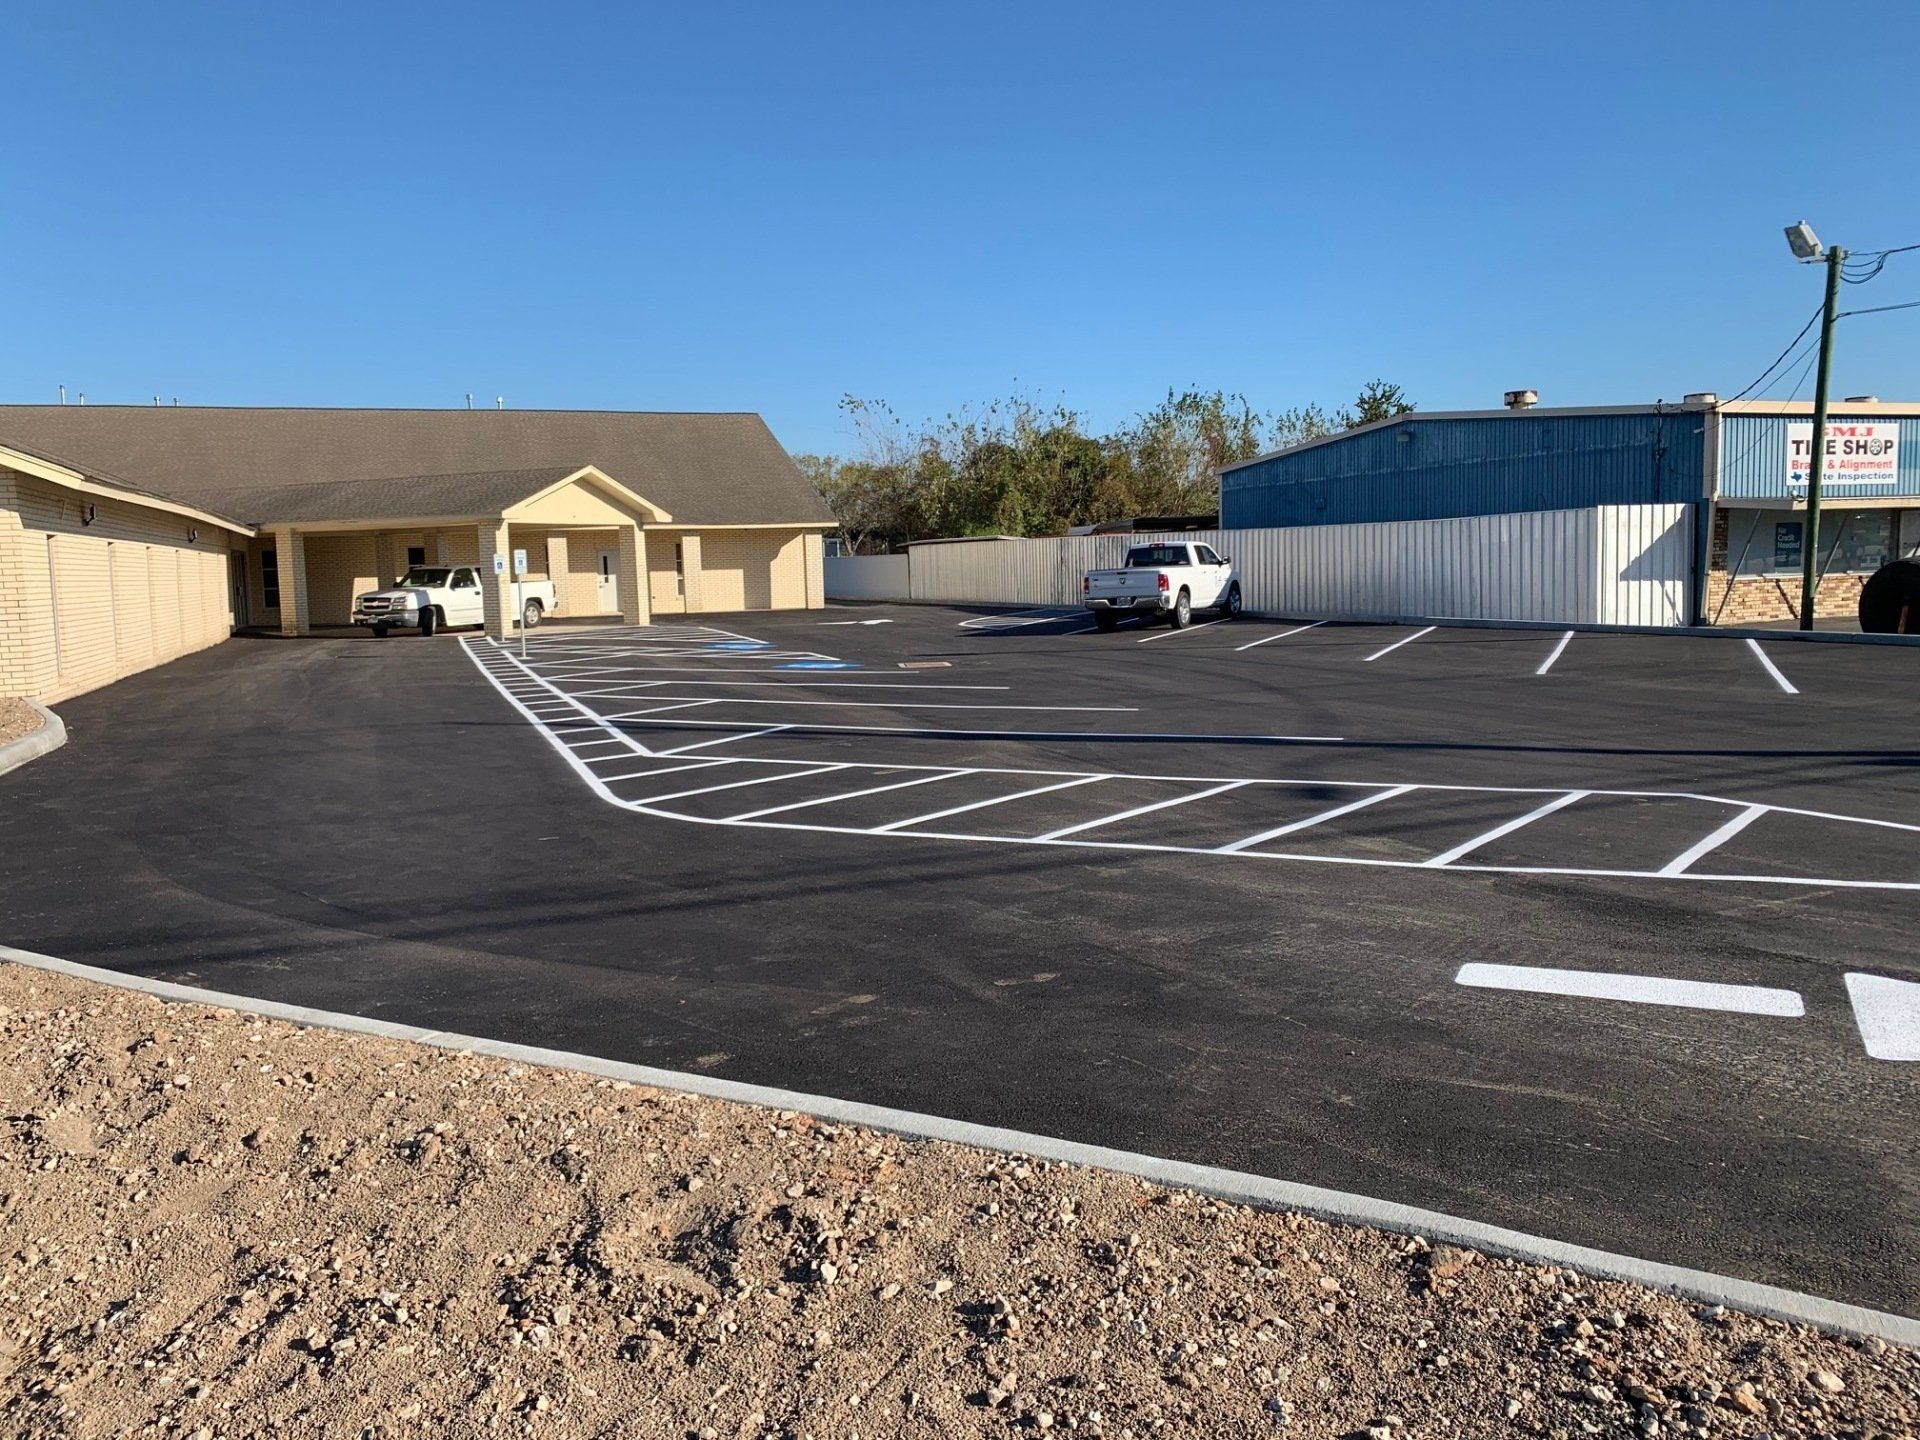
(663, 576)
(85, 604)
(752, 570)
(339, 567)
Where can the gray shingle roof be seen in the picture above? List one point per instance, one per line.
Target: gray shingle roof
(266, 464)
(390, 497)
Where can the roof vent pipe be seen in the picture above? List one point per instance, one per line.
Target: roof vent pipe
(63, 394)
(1522, 399)
(499, 402)
(1861, 400)
(469, 399)
(83, 397)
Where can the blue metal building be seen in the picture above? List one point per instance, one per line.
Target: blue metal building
(1742, 465)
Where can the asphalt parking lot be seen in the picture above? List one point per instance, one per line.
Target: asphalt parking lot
(1597, 936)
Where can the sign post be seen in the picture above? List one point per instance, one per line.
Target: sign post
(519, 598)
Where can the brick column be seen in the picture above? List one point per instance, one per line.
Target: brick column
(497, 590)
(635, 606)
(557, 570)
(690, 568)
(386, 571)
(290, 546)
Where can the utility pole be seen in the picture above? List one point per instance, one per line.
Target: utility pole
(1810, 552)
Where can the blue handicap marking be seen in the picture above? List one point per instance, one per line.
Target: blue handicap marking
(738, 645)
(819, 665)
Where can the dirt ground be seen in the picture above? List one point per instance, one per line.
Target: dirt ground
(17, 719)
(213, 1225)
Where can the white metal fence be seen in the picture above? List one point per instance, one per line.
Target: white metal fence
(1613, 564)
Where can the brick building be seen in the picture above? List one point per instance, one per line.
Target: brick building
(131, 535)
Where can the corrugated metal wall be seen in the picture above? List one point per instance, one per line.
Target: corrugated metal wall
(866, 577)
(1753, 457)
(1607, 564)
(1435, 468)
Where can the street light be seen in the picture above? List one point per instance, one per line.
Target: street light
(1806, 249)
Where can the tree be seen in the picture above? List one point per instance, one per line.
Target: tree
(1177, 448)
(1377, 400)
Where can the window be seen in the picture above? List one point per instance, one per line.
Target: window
(1156, 557)
(1205, 555)
(679, 568)
(270, 579)
(416, 555)
(463, 580)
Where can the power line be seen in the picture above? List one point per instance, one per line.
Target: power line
(1875, 254)
(1877, 309)
(1811, 321)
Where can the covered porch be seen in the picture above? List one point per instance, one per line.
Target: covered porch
(580, 528)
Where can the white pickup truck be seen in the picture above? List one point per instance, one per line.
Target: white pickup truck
(1169, 577)
(437, 597)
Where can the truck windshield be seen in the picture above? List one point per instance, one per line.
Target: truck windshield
(426, 576)
(1156, 557)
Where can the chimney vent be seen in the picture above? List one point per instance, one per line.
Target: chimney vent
(1703, 398)
(1522, 399)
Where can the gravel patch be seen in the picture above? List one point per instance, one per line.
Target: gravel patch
(17, 719)
(215, 1225)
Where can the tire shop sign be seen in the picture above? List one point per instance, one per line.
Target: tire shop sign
(1859, 453)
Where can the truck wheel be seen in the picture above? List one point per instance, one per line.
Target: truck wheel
(530, 616)
(1232, 607)
(1181, 615)
(1105, 619)
(429, 620)
(379, 632)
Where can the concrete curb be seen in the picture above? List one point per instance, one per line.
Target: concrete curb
(51, 735)
(1239, 1187)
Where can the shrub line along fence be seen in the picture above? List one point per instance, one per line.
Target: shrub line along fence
(1606, 565)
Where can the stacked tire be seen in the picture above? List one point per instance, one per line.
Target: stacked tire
(1890, 600)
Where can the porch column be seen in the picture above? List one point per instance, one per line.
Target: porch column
(442, 548)
(290, 551)
(496, 590)
(635, 604)
(690, 571)
(385, 571)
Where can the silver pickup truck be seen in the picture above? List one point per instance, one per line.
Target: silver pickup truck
(1169, 577)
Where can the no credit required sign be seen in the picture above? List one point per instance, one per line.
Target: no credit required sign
(1859, 453)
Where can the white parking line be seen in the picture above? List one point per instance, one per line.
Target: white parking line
(1772, 669)
(1204, 624)
(1141, 810)
(1314, 625)
(724, 740)
(1887, 1012)
(659, 709)
(983, 804)
(1636, 989)
(1398, 643)
(898, 705)
(1547, 664)
(761, 779)
(1447, 857)
(850, 795)
(1334, 814)
(670, 770)
(1005, 620)
(1682, 862)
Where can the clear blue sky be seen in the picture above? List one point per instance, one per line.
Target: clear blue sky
(766, 206)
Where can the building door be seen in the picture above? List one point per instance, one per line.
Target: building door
(237, 582)
(607, 582)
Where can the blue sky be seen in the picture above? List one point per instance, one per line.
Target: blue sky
(767, 206)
